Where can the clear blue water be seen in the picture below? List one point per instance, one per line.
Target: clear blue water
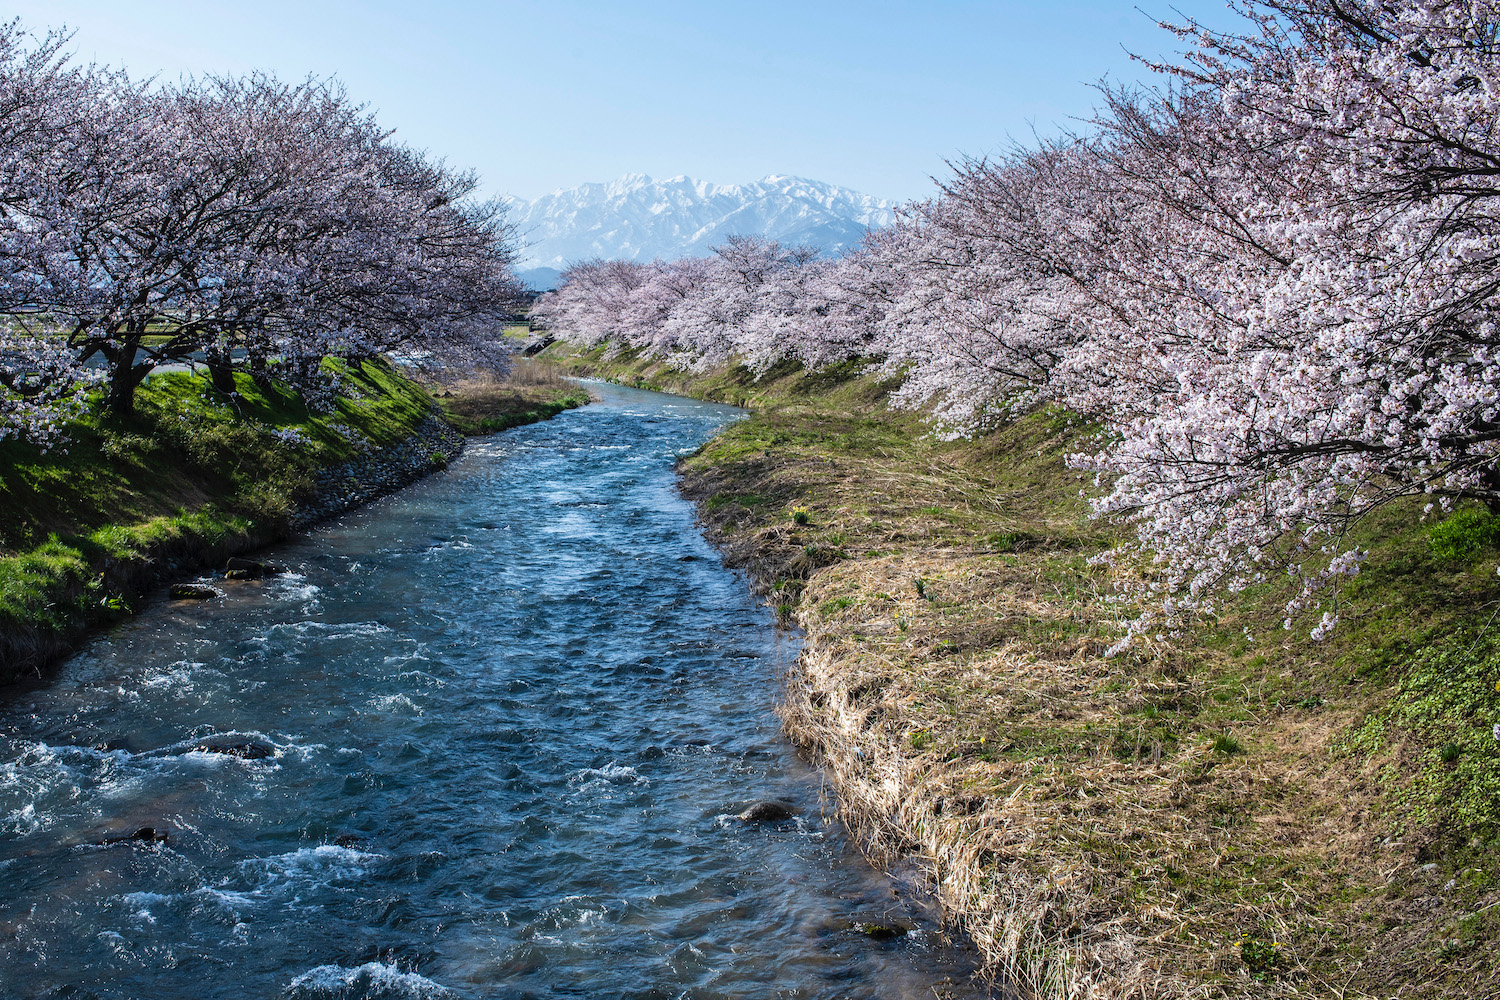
(512, 711)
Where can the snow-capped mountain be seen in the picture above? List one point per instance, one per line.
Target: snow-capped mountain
(637, 218)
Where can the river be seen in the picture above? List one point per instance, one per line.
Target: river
(507, 715)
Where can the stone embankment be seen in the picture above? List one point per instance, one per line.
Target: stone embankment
(378, 472)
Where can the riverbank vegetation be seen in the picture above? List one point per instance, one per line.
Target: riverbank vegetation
(240, 223)
(1243, 811)
(1137, 494)
(529, 392)
(211, 292)
(189, 477)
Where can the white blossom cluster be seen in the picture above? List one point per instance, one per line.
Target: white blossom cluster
(1273, 282)
(253, 224)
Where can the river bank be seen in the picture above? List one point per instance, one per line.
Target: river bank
(510, 732)
(1236, 812)
(88, 529)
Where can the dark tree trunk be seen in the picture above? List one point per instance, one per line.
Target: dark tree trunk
(261, 373)
(220, 370)
(120, 400)
(1489, 481)
(125, 376)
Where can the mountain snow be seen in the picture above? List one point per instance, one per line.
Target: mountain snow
(638, 218)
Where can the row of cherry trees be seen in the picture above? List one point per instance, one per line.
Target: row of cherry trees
(248, 223)
(1273, 281)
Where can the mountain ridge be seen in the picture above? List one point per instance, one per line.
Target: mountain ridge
(636, 217)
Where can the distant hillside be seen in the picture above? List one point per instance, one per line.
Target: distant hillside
(637, 218)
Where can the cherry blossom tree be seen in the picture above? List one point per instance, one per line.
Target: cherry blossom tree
(992, 292)
(754, 302)
(243, 222)
(41, 98)
(408, 263)
(253, 217)
(1272, 280)
(1313, 332)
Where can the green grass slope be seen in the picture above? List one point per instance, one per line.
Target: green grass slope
(192, 477)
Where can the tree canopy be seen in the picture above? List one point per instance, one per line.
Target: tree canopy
(238, 222)
(1271, 280)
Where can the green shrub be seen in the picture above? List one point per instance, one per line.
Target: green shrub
(1226, 744)
(1262, 958)
(1447, 700)
(1464, 534)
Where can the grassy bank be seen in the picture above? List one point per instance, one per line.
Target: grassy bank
(533, 391)
(193, 477)
(1238, 812)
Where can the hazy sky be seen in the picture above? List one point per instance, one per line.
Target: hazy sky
(544, 95)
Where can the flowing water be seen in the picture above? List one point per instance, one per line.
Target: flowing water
(509, 714)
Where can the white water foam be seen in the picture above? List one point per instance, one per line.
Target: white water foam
(308, 868)
(292, 587)
(610, 774)
(421, 677)
(579, 913)
(371, 981)
(453, 545)
(395, 703)
(143, 901)
(330, 630)
(229, 901)
(177, 678)
(51, 777)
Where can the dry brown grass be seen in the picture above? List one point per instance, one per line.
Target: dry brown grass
(1078, 869)
(483, 404)
(1181, 821)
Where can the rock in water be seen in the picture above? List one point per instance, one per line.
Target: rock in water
(248, 569)
(245, 751)
(768, 811)
(148, 834)
(191, 592)
(881, 932)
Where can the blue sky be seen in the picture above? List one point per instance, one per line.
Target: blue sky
(543, 95)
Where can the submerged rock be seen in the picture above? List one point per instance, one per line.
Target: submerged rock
(147, 834)
(192, 592)
(880, 932)
(248, 569)
(247, 750)
(768, 811)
